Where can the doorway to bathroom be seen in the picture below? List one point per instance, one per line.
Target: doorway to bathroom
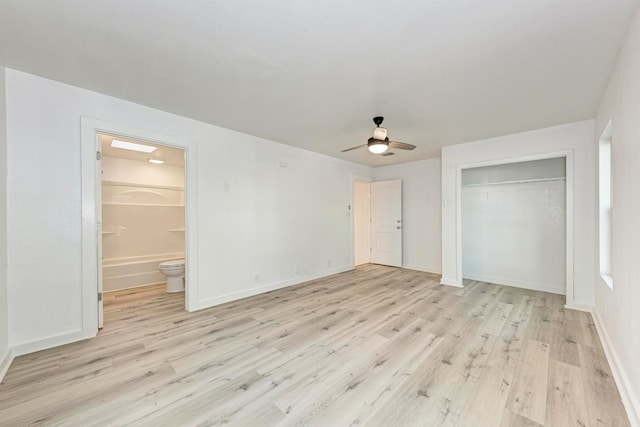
(141, 220)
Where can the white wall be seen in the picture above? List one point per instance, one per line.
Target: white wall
(362, 222)
(577, 137)
(420, 210)
(4, 306)
(616, 310)
(286, 224)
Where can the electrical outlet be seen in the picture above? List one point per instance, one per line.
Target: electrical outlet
(256, 277)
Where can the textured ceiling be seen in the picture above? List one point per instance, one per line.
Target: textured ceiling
(312, 74)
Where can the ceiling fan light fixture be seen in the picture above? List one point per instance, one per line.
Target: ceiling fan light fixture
(377, 146)
(379, 143)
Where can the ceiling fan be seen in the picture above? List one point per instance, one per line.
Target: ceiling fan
(379, 143)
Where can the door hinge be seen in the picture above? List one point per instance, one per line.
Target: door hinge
(98, 155)
(99, 296)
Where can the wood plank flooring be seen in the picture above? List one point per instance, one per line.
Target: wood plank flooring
(377, 346)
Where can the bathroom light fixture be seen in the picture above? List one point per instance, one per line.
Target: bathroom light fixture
(132, 146)
(156, 161)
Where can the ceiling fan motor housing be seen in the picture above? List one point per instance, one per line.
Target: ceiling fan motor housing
(380, 133)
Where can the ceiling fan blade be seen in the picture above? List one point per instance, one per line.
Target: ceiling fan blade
(387, 153)
(354, 148)
(401, 145)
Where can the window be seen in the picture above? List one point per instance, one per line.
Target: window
(605, 201)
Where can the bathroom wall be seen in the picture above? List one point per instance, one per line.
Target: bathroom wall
(142, 221)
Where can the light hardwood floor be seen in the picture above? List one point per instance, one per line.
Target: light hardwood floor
(376, 346)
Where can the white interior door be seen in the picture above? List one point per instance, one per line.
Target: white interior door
(99, 226)
(386, 222)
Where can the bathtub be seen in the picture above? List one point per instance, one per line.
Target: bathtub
(132, 272)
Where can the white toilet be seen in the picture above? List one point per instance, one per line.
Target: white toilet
(174, 270)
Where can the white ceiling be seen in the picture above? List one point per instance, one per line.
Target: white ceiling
(312, 74)
(171, 156)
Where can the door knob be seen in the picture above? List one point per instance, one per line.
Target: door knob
(398, 227)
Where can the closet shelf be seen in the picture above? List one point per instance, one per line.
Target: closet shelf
(143, 204)
(134, 184)
(519, 181)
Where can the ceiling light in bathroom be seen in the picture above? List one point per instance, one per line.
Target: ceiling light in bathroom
(156, 161)
(132, 146)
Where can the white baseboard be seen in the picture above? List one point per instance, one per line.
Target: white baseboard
(451, 282)
(37, 345)
(210, 302)
(629, 400)
(434, 270)
(5, 362)
(49, 342)
(515, 284)
(580, 307)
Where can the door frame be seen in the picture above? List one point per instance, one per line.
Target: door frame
(569, 206)
(352, 225)
(89, 128)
